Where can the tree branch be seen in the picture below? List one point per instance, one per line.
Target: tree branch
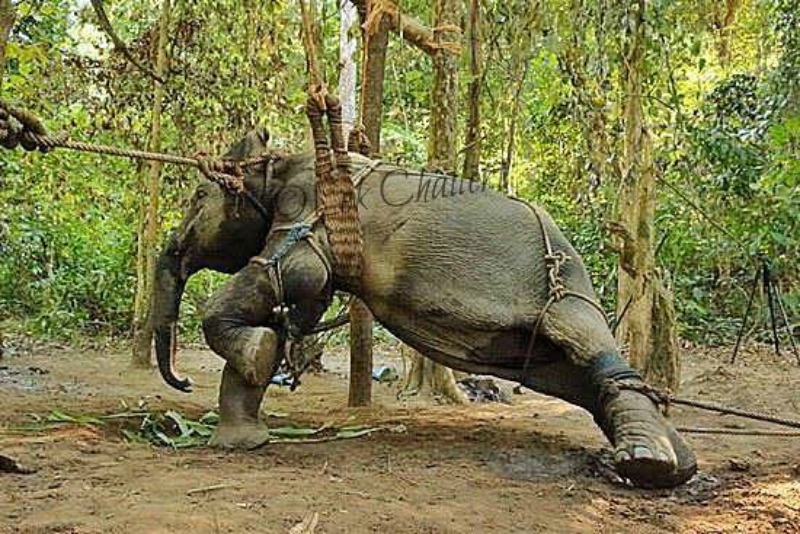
(119, 44)
(409, 28)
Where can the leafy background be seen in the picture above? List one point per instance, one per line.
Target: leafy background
(723, 107)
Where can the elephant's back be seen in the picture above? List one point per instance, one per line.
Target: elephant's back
(459, 250)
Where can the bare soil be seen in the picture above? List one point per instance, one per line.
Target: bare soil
(532, 466)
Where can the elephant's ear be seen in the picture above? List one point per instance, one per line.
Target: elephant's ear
(254, 143)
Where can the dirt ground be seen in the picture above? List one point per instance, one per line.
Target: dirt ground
(531, 466)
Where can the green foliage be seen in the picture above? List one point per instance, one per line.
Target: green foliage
(179, 431)
(726, 133)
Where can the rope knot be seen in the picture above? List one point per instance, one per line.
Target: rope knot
(553, 261)
(226, 174)
(21, 127)
(611, 388)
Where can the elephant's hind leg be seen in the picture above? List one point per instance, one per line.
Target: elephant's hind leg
(648, 449)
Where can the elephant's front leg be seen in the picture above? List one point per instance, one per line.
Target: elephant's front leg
(252, 355)
(240, 325)
(239, 425)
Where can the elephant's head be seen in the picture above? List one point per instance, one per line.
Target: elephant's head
(218, 232)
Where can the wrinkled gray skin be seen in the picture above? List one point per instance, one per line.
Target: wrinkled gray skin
(458, 274)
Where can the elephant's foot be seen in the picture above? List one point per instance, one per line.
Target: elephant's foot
(242, 436)
(239, 403)
(256, 362)
(648, 450)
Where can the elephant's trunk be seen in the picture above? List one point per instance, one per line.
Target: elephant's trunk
(168, 287)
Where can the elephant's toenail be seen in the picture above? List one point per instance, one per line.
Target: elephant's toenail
(643, 452)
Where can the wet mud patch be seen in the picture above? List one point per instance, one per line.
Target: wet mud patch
(26, 379)
(541, 463)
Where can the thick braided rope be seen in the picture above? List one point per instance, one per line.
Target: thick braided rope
(20, 127)
(336, 198)
(28, 131)
(340, 204)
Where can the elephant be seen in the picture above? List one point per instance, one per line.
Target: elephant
(459, 272)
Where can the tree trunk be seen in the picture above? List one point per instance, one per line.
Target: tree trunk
(360, 392)
(639, 287)
(472, 139)
(508, 160)
(7, 16)
(442, 141)
(591, 88)
(148, 236)
(442, 152)
(725, 18)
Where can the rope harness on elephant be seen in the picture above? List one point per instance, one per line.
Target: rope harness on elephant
(298, 232)
(20, 127)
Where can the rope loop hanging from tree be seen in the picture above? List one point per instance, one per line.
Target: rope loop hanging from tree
(336, 195)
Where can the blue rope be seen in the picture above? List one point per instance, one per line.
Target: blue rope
(297, 233)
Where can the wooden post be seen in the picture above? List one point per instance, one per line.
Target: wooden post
(375, 42)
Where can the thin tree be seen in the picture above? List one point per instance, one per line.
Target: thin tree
(442, 144)
(645, 305)
(7, 16)
(149, 228)
(472, 139)
(360, 392)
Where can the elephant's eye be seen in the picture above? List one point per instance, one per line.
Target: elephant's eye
(201, 194)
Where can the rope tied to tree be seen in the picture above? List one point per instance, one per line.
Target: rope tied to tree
(19, 127)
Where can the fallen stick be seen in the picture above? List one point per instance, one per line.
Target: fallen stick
(207, 489)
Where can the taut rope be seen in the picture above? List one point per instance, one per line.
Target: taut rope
(21, 127)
